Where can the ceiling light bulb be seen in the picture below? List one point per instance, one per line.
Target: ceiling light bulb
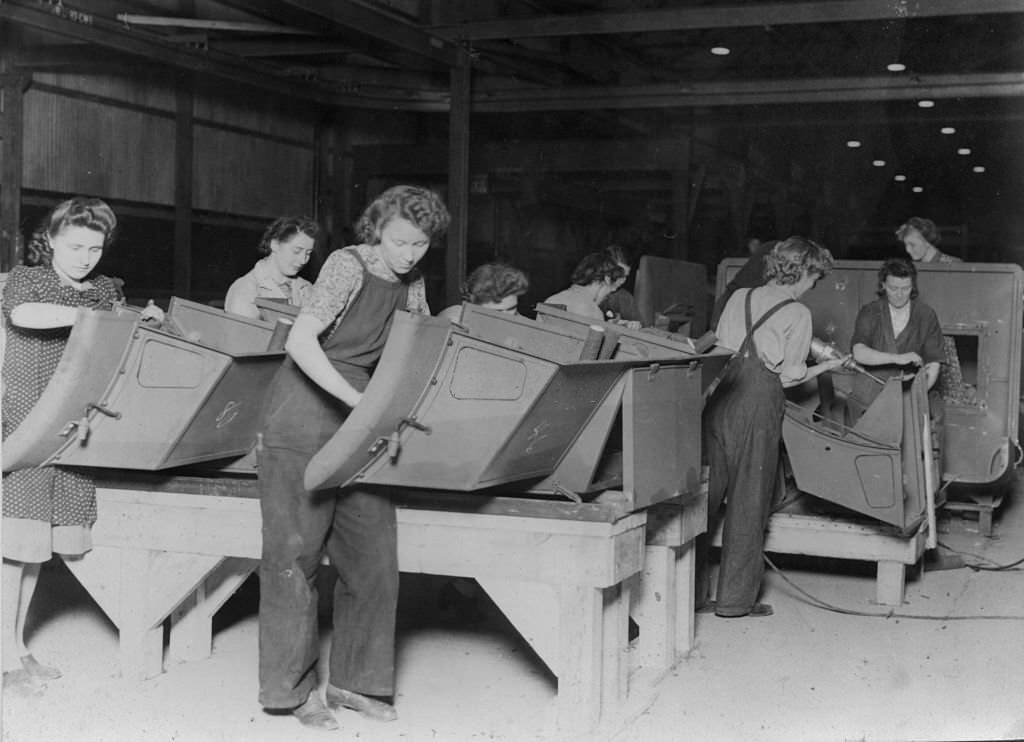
(964, 151)
(947, 130)
(896, 67)
(978, 168)
(878, 163)
(926, 104)
(917, 189)
(720, 51)
(853, 143)
(899, 178)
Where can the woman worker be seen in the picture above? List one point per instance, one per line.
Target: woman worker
(333, 347)
(286, 247)
(920, 237)
(594, 278)
(493, 286)
(771, 334)
(897, 333)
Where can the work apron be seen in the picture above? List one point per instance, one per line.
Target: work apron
(743, 429)
(356, 528)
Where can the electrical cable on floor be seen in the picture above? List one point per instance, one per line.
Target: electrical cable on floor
(891, 613)
(995, 566)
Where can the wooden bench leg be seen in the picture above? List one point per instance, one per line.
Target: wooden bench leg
(191, 635)
(685, 575)
(581, 636)
(890, 583)
(655, 609)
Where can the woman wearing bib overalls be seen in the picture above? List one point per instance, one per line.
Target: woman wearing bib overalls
(771, 334)
(333, 348)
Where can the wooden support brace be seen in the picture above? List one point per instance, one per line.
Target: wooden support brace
(191, 635)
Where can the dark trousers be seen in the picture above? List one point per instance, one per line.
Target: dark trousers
(743, 428)
(357, 531)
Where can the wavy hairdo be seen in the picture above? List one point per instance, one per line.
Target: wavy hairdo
(618, 254)
(897, 268)
(595, 267)
(91, 213)
(492, 282)
(284, 228)
(419, 206)
(926, 227)
(788, 260)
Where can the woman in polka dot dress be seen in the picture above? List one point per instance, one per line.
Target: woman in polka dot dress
(46, 510)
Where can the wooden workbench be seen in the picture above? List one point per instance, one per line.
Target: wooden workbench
(566, 575)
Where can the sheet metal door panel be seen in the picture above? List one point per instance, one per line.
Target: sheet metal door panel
(559, 344)
(661, 421)
(414, 348)
(215, 328)
(176, 402)
(980, 303)
(620, 343)
(89, 365)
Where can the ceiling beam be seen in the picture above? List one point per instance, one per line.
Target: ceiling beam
(70, 23)
(734, 16)
(348, 15)
(752, 92)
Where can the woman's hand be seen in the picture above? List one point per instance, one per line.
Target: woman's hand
(152, 314)
(909, 359)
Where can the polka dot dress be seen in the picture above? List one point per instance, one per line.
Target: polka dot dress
(53, 495)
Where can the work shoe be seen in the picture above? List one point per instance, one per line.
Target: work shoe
(314, 714)
(370, 708)
(38, 670)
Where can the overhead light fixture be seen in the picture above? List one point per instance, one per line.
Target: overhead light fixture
(853, 143)
(978, 168)
(896, 67)
(899, 178)
(947, 130)
(721, 51)
(878, 163)
(917, 189)
(964, 151)
(926, 103)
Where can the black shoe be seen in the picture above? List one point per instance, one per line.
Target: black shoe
(371, 708)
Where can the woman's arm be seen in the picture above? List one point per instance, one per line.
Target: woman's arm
(241, 298)
(304, 348)
(870, 357)
(36, 315)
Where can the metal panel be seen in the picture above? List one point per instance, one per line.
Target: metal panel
(555, 343)
(127, 395)
(662, 283)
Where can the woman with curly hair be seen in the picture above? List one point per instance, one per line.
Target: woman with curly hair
(594, 278)
(350, 311)
(47, 510)
(495, 286)
(285, 247)
(770, 332)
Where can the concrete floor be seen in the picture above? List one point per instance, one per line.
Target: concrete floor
(803, 674)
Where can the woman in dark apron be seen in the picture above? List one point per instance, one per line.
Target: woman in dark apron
(333, 348)
(771, 333)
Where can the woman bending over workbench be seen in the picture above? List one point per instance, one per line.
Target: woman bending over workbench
(336, 341)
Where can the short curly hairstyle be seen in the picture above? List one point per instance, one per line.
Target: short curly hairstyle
(492, 282)
(926, 227)
(897, 268)
(789, 259)
(419, 206)
(80, 211)
(284, 228)
(595, 267)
